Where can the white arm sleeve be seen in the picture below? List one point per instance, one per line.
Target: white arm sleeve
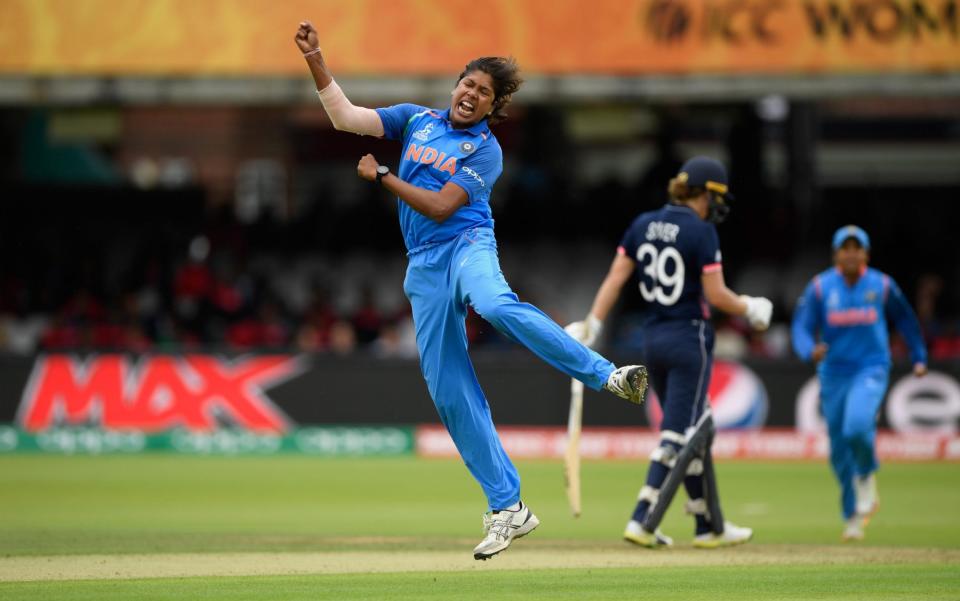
(347, 117)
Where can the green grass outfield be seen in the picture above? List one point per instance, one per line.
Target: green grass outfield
(293, 527)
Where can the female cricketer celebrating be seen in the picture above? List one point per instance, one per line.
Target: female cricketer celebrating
(449, 164)
(677, 253)
(848, 306)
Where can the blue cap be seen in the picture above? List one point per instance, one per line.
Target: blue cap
(851, 231)
(704, 172)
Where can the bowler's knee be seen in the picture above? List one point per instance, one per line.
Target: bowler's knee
(839, 452)
(858, 434)
(494, 308)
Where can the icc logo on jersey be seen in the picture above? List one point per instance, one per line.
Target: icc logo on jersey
(424, 133)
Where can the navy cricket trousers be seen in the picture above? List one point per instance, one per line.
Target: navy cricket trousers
(679, 355)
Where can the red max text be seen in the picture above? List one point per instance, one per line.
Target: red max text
(196, 392)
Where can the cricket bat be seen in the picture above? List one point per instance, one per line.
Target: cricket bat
(571, 458)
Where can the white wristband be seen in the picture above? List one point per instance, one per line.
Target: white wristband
(311, 52)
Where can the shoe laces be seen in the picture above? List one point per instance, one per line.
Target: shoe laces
(617, 384)
(498, 524)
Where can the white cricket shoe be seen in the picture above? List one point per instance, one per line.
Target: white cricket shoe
(629, 382)
(867, 499)
(853, 529)
(635, 533)
(732, 535)
(502, 527)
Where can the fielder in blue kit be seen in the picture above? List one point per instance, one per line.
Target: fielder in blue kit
(848, 307)
(449, 163)
(676, 254)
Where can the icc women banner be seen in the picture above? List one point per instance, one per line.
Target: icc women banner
(377, 37)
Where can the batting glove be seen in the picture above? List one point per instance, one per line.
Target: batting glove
(759, 311)
(586, 331)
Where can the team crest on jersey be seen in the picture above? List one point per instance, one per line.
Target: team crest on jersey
(467, 147)
(424, 133)
(834, 299)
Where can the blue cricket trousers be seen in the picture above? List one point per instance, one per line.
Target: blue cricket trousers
(849, 403)
(442, 279)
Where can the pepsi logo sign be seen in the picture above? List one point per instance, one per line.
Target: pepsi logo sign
(737, 397)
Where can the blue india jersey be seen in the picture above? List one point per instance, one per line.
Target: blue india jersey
(852, 320)
(673, 248)
(435, 153)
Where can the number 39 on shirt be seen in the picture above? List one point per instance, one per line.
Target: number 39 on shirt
(665, 271)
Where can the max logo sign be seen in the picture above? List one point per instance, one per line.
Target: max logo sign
(196, 392)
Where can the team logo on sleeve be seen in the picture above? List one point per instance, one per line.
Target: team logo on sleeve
(467, 147)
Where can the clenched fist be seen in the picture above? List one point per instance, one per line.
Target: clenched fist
(306, 38)
(367, 167)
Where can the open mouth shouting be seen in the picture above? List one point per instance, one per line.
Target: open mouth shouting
(466, 109)
(472, 99)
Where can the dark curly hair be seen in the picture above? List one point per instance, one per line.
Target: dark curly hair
(505, 73)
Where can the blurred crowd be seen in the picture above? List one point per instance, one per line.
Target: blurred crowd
(264, 239)
(202, 306)
(213, 301)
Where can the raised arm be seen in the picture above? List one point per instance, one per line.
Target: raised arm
(344, 115)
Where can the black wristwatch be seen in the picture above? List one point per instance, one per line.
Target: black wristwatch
(382, 171)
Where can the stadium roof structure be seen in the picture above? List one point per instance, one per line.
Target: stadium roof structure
(79, 90)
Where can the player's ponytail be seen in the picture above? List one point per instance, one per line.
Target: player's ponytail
(505, 73)
(680, 191)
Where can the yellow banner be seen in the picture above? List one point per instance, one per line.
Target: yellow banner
(255, 37)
